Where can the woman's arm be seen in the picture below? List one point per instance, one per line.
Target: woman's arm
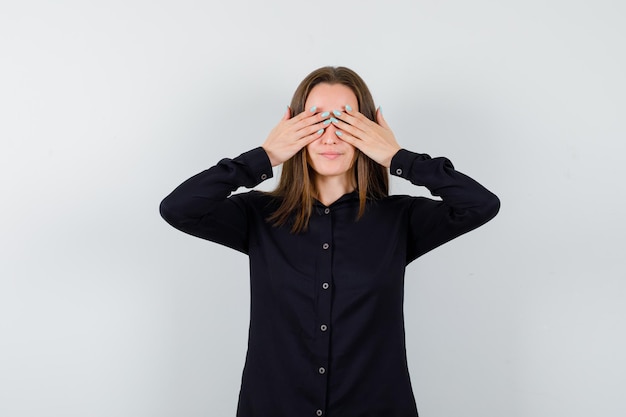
(464, 206)
(201, 205)
(465, 203)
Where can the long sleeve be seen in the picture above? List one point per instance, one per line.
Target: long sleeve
(202, 206)
(465, 203)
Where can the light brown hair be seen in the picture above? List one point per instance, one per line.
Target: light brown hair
(296, 187)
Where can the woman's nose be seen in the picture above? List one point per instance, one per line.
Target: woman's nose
(329, 137)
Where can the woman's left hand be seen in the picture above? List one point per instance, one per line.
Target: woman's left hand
(375, 140)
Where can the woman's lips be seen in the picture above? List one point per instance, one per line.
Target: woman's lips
(331, 155)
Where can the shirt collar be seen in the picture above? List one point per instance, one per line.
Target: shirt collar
(354, 195)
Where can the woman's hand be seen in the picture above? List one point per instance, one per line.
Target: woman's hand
(292, 134)
(375, 140)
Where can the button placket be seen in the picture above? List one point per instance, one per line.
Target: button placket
(323, 313)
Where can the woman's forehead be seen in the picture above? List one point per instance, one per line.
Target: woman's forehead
(331, 97)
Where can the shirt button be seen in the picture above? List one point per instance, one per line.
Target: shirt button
(263, 176)
(322, 370)
(399, 171)
(323, 327)
(319, 413)
(326, 210)
(325, 245)
(325, 285)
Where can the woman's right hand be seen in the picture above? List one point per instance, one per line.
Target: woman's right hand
(292, 134)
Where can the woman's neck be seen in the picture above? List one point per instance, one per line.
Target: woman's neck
(330, 189)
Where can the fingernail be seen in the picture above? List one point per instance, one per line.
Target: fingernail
(338, 133)
(319, 132)
(327, 122)
(332, 119)
(337, 113)
(380, 109)
(313, 109)
(348, 107)
(325, 114)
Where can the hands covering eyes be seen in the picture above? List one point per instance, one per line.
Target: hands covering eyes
(375, 140)
(292, 134)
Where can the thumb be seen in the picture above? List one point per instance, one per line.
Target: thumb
(380, 119)
(287, 114)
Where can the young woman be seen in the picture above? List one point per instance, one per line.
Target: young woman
(328, 250)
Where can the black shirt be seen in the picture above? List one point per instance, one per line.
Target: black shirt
(326, 333)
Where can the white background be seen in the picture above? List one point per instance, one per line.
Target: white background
(105, 107)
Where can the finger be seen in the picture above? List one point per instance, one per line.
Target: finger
(348, 138)
(315, 129)
(307, 112)
(354, 118)
(296, 118)
(380, 119)
(354, 122)
(310, 138)
(287, 114)
(346, 127)
(311, 120)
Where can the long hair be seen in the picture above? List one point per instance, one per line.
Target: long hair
(296, 187)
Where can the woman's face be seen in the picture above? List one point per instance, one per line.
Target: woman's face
(328, 155)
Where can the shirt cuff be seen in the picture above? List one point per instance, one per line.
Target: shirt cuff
(403, 160)
(258, 164)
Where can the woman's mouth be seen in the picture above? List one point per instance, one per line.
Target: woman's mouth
(331, 155)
